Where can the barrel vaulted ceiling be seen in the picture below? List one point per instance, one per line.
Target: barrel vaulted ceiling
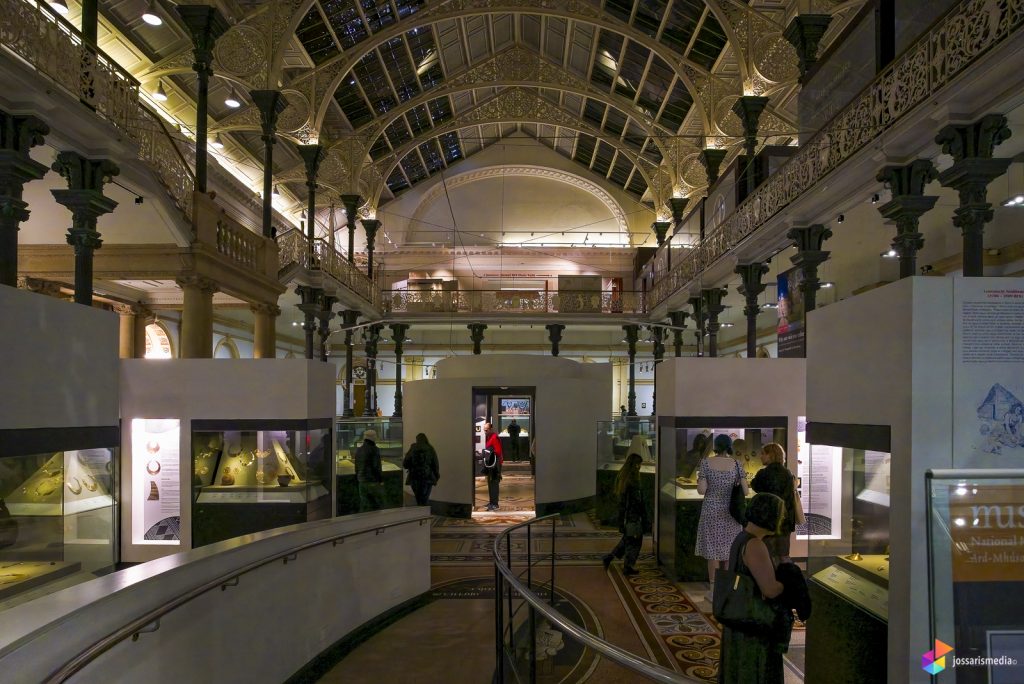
(398, 91)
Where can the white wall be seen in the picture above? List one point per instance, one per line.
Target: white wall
(60, 363)
(570, 398)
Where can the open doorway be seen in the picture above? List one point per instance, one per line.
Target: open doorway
(510, 410)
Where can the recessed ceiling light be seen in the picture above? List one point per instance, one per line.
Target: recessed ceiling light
(160, 95)
(232, 99)
(150, 16)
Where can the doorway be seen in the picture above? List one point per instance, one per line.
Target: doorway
(510, 410)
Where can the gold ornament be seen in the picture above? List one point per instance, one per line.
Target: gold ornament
(262, 453)
(246, 459)
(75, 488)
(89, 482)
(152, 446)
(46, 487)
(227, 479)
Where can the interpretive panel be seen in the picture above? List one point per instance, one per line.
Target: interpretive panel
(156, 465)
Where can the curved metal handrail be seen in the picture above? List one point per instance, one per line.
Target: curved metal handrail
(610, 651)
(103, 645)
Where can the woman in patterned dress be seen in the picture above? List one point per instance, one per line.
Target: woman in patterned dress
(717, 529)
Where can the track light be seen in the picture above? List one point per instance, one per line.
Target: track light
(150, 16)
(217, 142)
(160, 95)
(840, 218)
(874, 198)
(891, 254)
(276, 192)
(59, 6)
(232, 99)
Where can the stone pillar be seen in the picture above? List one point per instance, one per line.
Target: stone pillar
(632, 334)
(18, 135)
(270, 104)
(372, 338)
(309, 305)
(658, 333)
(554, 336)
(398, 332)
(205, 24)
(348, 319)
(751, 288)
(712, 305)
(906, 207)
(351, 203)
(809, 255)
(84, 197)
(476, 334)
(805, 33)
(748, 108)
(312, 156)
(711, 159)
(974, 167)
(660, 231)
(699, 318)
(371, 226)
(142, 319)
(197, 317)
(264, 330)
(125, 330)
(678, 321)
(324, 315)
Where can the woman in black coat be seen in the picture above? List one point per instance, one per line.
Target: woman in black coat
(632, 516)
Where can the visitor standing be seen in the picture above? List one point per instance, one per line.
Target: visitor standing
(775, 478)
(513, 438)
(369, 473)
(493, 473)
(632, 516)
(424, 471)
(718, 474)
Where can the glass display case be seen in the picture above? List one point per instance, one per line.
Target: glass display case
(389, 441)
(251, 475)
(976, 561)
(682, 443)
(613, 440)
(57, 517)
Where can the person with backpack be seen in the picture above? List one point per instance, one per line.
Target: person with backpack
(492, 466)
(424, 471)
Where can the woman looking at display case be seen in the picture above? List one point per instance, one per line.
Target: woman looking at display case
(632, 516)
(776, 479)
(718, 474)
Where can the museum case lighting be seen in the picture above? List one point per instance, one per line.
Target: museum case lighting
(150, 16)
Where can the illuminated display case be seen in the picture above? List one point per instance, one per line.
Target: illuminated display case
(682, 443)
(254, 475)
(389, 441)
(58, 512)
(613, 440)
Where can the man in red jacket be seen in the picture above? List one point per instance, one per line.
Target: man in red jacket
(493, 474)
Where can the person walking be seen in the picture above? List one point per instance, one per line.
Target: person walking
(775, 478)
(513, 439)
(632, 516)
(493, 473)
(424, 471)
(718, 474)
(369, 473)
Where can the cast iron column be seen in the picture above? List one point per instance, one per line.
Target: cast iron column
(398, 331)
(749, 108)
(270, 103)
(371, 226)
(84, 197)
(809, 255)
(751, 288)
(678, 320)
(205, 24)
(324, 315)
(554, 336)
(906, 207)
(351, 203)
(372, 338)
(311, 155)
(804, 33)
(18, 135)
(712, 300)
(632, 334)
(348, 319)
(658, 333)
(309, 305)
(711, 159)
(974, 167)
(476, 334)
(699, 318)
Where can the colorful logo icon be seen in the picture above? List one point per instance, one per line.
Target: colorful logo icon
(934, 662)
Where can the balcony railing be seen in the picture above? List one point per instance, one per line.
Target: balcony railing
(294, 248)
(967, 32)
(56, 49)
(512, 301)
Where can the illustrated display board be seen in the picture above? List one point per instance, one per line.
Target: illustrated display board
(156, 465)
(790, 328)
(819, 472)
(514, 406)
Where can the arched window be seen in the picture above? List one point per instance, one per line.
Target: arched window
(158, 342)
(226, 349)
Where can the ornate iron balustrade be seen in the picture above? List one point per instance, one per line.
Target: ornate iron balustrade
(967, 31)
(512, 301)
(294, 248)
(55, 48)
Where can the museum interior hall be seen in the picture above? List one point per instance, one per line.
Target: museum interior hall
(512, 341)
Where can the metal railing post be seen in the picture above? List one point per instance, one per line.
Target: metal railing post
(529, 556)
(511, 619)
(533, 645)
(552, 597)
(499, 628)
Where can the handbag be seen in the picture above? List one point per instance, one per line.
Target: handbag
(737, 603)
(738, 502)
(488, 460)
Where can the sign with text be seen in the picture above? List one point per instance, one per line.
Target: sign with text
(790, 329)
(987, 532)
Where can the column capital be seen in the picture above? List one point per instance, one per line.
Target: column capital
(131, 309)
(201, 283)
(678, 206)
(678, 318)
(909, 179)
(711, 159)
(270, 104)
(39, 286)
(751, 286)
(326, 311)
(658, 333)
(312, 157)
(265, 308)
(476, 334)
(712, 300)
(804, 33)
(19, 134)
(809, 238)
(749, 108)
(554, 336)
(660, 231)
(976, 140)
(83, 173)
(205, 25)
(349, 317)
(371, 226)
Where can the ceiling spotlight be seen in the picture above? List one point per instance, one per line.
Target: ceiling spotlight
(891, 254)
(232, 99)
(1014, 201)
(827, 284)
(276, 192)
(217, 142)
(59, 6)
(874, 198)
(726, 325)
(150, 16)
(407, 339)
(840, 218)
(160, 95)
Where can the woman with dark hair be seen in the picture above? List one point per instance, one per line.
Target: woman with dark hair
(756, 658)
(424, 471)
(718, 474)
(632, 515)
